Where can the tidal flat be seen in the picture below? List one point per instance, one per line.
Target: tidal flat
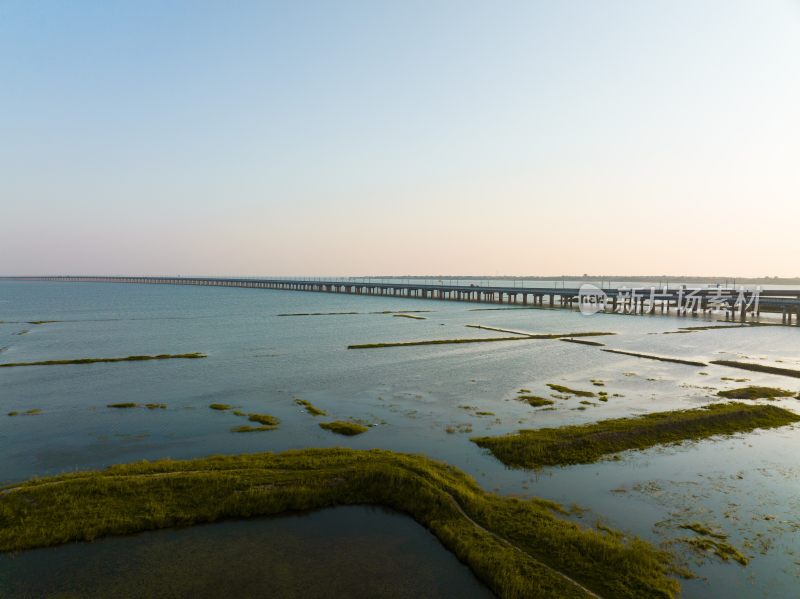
(743, 485)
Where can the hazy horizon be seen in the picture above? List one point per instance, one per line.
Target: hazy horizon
(354, 137)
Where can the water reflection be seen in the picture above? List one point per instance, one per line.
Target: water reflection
(354, 551)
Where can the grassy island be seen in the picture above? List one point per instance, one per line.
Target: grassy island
(191, 356)
(658, 358)
(341, 427)
(759, 368)
(520, 337)
(519, 548)
(309, 407)
(753, 392)
(586, 443)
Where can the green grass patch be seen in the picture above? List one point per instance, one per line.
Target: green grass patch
(106, 360)
(759, 368)
(567, 391)
(535, 400)
(344, 428)
(220, 406)
(583, 444)
(310, 408)
(518, 547)
(246, 428)
(472, 340)
(264, 419)
(753, 392)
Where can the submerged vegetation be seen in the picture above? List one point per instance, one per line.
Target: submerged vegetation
(128, 404)
(266, 422)
(758, 368)
(714, 542)
(583, 444)
(31, 412)
(474, 340)
(341, 427)
(309, 407)
(753, 392)
(247, 428)
(107, 360)
(567, 391)
(519, 548)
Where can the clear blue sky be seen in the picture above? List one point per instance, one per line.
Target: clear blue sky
(400, 137)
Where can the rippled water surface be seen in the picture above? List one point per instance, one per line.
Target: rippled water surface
(747, 486)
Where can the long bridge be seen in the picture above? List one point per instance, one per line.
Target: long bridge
(735, 304)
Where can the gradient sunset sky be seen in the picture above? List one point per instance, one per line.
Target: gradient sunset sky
(404, 137)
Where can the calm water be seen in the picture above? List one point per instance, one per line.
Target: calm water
(340, 552)
(747, 486)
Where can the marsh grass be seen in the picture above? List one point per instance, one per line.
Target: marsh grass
(567, 391)
(586, 443)
(341, 427)
(220, 406)
(709, 540)
(309, 407)
(264, 419)
(753, 392)
(518, 547)
(191, 356)
(458, 428)
(659, 358)
(758, 368)
(246, 428)
(127, 404)
(473, 340)
(149, 406)
(31, 412)
(535, 400)
(412, 316)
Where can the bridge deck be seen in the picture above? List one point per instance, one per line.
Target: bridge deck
(642, 301)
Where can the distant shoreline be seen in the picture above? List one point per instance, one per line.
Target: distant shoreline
(590, 277)
(673, 279)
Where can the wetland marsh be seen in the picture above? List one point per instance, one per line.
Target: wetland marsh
(740, 487)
